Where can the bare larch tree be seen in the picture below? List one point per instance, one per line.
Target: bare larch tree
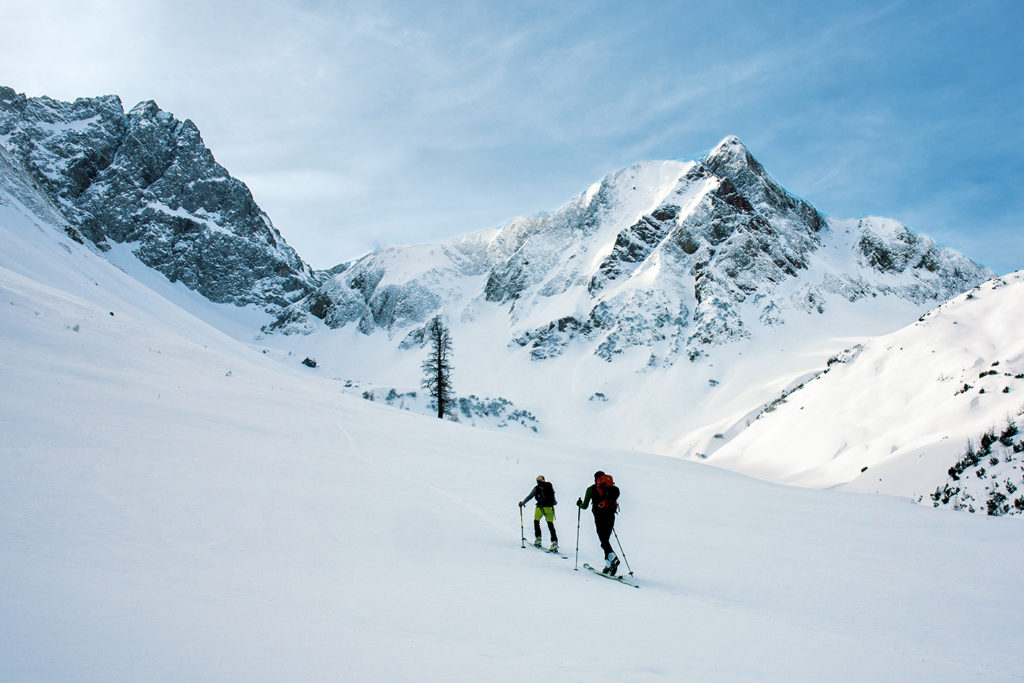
(438, 367)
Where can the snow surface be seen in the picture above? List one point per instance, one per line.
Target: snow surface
(176, 505)
(904, 414)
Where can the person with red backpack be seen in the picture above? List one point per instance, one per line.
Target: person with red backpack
(605, 496)
(544, 494)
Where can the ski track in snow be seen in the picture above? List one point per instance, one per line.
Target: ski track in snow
(476, 511)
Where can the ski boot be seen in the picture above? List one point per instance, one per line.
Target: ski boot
(611, 565)
(554, 547)
(536, 542)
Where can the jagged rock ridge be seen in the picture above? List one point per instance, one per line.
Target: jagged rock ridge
(672, 257)
(145, 178)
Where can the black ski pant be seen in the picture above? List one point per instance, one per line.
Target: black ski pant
(604, 523)
(551, 529)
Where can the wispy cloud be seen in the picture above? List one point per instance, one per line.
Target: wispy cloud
(455, 117)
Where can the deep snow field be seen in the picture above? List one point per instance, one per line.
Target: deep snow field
(176, 506)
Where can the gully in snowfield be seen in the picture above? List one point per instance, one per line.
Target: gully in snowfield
(605, 496)
(544, 494)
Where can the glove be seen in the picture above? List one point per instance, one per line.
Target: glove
(520, 503)
(579, 502)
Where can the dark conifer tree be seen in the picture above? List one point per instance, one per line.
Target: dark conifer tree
(438, 367)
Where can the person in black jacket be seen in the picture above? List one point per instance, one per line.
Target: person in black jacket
(544, 494)
(604, 494)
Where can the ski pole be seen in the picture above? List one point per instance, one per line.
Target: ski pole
(576, 567)
(522, 529)
(622, 551)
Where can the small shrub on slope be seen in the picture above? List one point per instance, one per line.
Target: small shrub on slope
(1006, 438)
(1003, 472)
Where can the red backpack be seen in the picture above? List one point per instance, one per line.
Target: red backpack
(604, 497)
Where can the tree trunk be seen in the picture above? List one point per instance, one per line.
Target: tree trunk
(441, 388)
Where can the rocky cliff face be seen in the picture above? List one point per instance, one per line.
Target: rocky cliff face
(146, 178)
(668, 256)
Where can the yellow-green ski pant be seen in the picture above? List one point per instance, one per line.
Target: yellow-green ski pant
(547, 513)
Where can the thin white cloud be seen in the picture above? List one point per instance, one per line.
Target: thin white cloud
(486, 109)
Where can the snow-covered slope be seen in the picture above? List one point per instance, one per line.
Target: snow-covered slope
(900, 407)
(177, 506)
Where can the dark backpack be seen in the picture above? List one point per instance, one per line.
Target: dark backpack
(548, 491)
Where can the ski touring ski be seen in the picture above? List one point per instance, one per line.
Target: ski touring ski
(545, 550)
(620, 579)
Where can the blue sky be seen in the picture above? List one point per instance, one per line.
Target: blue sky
(360, 124)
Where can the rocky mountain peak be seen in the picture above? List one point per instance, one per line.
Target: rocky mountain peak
(731, 151)
(146, 178)
(147, 109)
(731, 159)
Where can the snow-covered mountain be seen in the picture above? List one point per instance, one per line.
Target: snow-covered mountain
(671, 258)
(895, 414)
(146, 180)
(657, 310)
(176, 505)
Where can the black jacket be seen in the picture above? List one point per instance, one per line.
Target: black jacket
(544, 492)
